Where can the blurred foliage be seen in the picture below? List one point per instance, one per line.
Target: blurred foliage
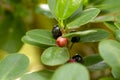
(17, 17)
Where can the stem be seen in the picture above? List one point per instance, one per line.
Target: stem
(61, 24)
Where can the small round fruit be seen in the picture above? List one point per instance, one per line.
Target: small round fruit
(78, 58)
(75, 39)
(71, 60)
(61, 42)
(56, 31)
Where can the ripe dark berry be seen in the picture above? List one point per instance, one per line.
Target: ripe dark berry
(61, 42)
(77, 58)
(75, 39)
(56, 31)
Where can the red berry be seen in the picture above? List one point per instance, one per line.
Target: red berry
(71, 60)
(61, 42)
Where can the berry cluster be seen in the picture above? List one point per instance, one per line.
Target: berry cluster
(61, 42)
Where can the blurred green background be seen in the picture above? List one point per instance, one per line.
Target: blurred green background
(17, 17)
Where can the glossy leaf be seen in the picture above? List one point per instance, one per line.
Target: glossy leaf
(51, 4)
(83, 18)
(55, 56)
(72, 71)
(109, 50)
(13, 66)
(44, 9)
(90, 35)
(107, 6)
(117, 35)
(111, 26)
(103, 18)
(41, 75)
(98, 66)
(79, 10)
(99, 35)
(41, 38)
(64, 8)
(92, 59)
(95, 62)
(79, 33)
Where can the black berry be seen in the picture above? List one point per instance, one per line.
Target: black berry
(78, 58)
(75, 38)
(56, 32)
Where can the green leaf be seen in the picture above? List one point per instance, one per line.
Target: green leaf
(99, 35)
(94, 2)
(108, 78)
(83, 18)
(64, 8)
(110, 52)
(115, 74)
(13, 66)
(103, 18)
(92, 59)
(44, 9)
(95, 62)
(118, 18)
(111, 26)
(109, 6)
(55, 56)
(41, 75)
(98, 66)
(73, 15)
(51, 4)
(78, 33)
(39, 37)
(117, 35)
(11, 31)
(90, 35)
(117, 24)
(71, 71)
